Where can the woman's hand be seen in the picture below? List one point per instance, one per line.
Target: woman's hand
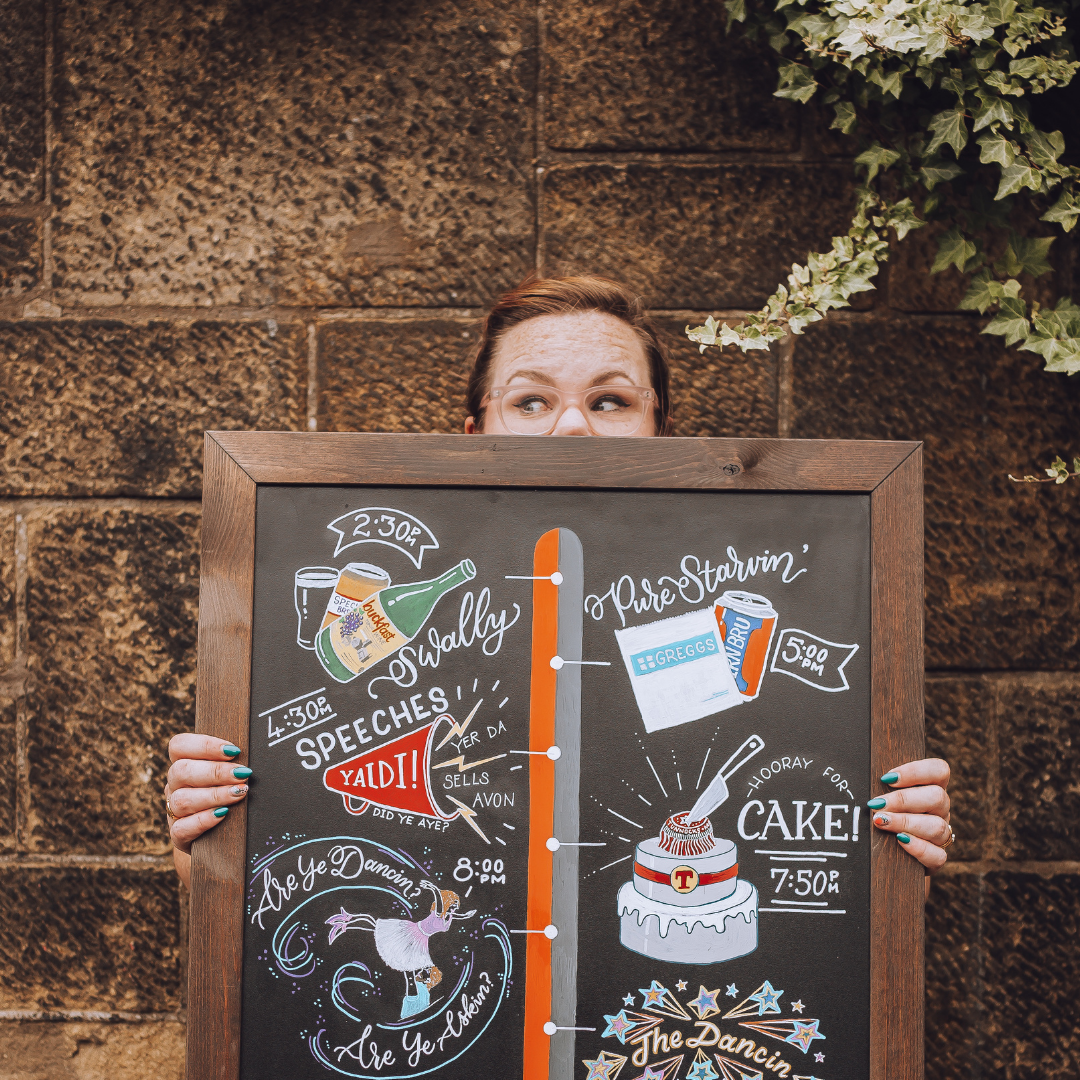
(205, 779)
(917, 810)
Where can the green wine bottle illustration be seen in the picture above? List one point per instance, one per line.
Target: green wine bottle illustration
(358, 634)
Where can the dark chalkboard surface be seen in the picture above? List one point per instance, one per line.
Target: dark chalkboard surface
(562, 782)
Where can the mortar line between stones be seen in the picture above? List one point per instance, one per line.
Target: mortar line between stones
(22, 720)
(995, 841)
(42, 861)
(28, 503)
(1044, 868)
(48, 135)
(54, 1015)
(312, 378)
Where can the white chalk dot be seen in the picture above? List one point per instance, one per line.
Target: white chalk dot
(553, 844)
(556, 578)
(550, 1028)
(554, 753)
(551, 932)
(557, 662)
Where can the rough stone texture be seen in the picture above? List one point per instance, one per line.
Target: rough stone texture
(692, 236)
(631, 75)
(326, 154)
(953, 986)
(391, 375)
(719, 394)
(1030, 955)
(112, 607)
(10, 677)
(100, 408)
(1000, 588)
(961, 726)
(20, 256)
(8, 710)
(22, 86)
(108, 939)
(1040, 767)
(81, 1051)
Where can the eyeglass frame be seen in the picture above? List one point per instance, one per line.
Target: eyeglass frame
(568, 397)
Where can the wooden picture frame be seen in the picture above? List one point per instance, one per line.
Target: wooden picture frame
(236, 463)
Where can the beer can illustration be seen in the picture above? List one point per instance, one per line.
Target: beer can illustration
(747, 622)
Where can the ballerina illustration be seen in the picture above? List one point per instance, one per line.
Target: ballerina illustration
(403, 945)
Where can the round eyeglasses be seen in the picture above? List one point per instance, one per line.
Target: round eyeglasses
(608, 410)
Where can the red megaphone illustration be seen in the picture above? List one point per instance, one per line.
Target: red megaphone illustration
(395, 775)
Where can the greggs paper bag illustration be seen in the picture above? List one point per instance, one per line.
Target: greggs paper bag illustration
(678, 669)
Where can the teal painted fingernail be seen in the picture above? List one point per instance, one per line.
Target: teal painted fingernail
(241, 772)
(903, 838)
(221, 811)
(890, 778)
(876, 804)
(230, 750)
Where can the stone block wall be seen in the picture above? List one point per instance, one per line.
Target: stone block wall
(240, 214)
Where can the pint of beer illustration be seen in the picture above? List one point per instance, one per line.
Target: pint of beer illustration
(312, 586)
(366, 621)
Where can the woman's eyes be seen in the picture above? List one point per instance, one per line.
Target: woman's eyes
(610, 403)
(530, 406)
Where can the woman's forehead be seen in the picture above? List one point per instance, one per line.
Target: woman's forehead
(581, 347)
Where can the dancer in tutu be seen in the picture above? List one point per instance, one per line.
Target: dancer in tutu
(403, 945)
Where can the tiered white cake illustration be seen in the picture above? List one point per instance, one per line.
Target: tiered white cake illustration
(686, 902)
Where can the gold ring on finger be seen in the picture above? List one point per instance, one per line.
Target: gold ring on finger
(952, 836)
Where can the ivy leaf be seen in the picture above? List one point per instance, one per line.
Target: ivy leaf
(996, 149)
(938, 171)
(985, 291)
(1000, 11)
(948, 127)
(1065, 211)
(1025, 254)
(736, 10)
(1011, 321)
(876, 159)
(994, 109)
(903, 218)
(1044, 149)
(845, 117)
(953, 250)
(797, 82)
(1020, 174)
(1058, 469)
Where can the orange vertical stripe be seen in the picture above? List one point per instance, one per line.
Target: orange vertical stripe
(541, 806)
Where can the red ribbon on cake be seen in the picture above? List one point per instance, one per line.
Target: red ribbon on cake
(703, 879)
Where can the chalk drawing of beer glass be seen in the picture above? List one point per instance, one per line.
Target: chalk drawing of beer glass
(312, 590)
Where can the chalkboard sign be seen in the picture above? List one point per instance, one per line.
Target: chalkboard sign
(561, 752)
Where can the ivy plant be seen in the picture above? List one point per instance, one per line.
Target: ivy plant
(938, 96)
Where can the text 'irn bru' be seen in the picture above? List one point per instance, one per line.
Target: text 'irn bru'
(368, 619)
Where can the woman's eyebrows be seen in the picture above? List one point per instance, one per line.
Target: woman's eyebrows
(543, 379)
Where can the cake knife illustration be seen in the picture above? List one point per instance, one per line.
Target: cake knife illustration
(686, 903)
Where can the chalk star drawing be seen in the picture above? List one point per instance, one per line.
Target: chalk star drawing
(732, 990)
(628, 1000)
(705, 1003)
(764, 999)
(605, 1066)
(702, 1068)
(681, 984)
(796, 1032)
(662, 1070)
(658, 998)
(619, 1025)
(767, 998)
(797, 1006)
(819, 1056)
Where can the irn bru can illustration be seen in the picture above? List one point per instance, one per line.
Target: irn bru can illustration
(747, 622)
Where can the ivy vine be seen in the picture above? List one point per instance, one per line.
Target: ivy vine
(938, 96)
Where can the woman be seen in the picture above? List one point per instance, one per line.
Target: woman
(557, 356)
